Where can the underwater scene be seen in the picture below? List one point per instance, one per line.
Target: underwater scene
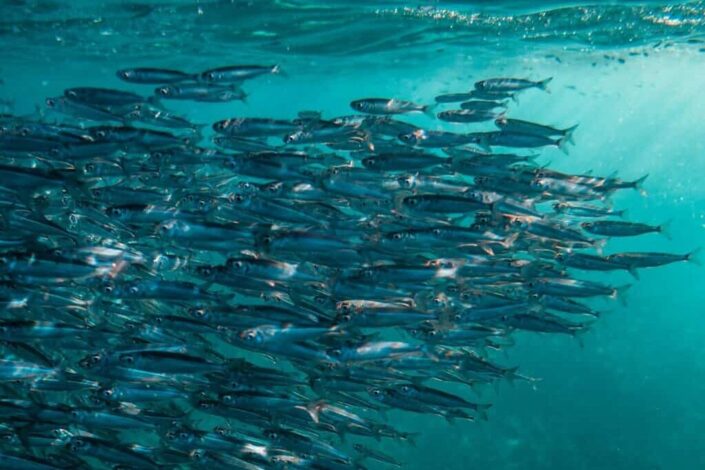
(295, 234)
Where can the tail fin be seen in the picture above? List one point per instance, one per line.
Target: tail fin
(482, 411)
(562, 144)
(619, 293)
(639, 184)
(277, 70)
(543, 84)
(694, 256)
(430, 110)
(665, 229)
(568, 134)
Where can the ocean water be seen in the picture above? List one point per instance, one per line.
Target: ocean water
(626, 395)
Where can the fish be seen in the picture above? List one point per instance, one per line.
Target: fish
(196, 91)
(152, 76)
(251, 292)
(386, 106)
(499, 85)
(527, 127)
(619, 228)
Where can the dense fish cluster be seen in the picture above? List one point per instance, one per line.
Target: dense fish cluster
(249, 295)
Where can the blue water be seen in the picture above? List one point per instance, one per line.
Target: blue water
(630, 73)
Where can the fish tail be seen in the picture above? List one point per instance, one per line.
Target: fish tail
(277, 70)
(484, 144)
(543, 84)
(562, 144)
(624, 214)
(482, 411)
(620, 293)
(665, 229)
(430, 110)
(568, 134)
(694, 256)
(639, 184)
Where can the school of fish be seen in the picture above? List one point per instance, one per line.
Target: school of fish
(258, 293)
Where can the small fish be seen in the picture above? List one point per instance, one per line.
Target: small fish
(152, 76)
(238, 73)
(199, 92)
(386, 106)
(526, 127)
(510, 84)
(618, 228)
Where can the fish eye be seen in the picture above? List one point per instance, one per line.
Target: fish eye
(164, 91)
(107, 393)
(336, 352)
(108, 289)
(51, 102)
(198, 454)
(377, 392)
(77, 443)
(530, 284)
(205, 270)
(134, 290)
(221, 430)
(405, 388)
(199, 312)
(396, 236)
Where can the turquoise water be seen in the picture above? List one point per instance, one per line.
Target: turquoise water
(630, 74)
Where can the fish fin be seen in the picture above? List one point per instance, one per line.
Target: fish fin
(694, 256)
(624, 214)
(482, 411)
(620, 293)
(277, 70)
(410, 437)
(430, 110)
(639, 184)
(543, 84)
(562, 144)
(508, 242)
(484, 144)
(599, 245)
(568, 134)
(665, 229)
(578, 335)
(635, 274)
(399, 201)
